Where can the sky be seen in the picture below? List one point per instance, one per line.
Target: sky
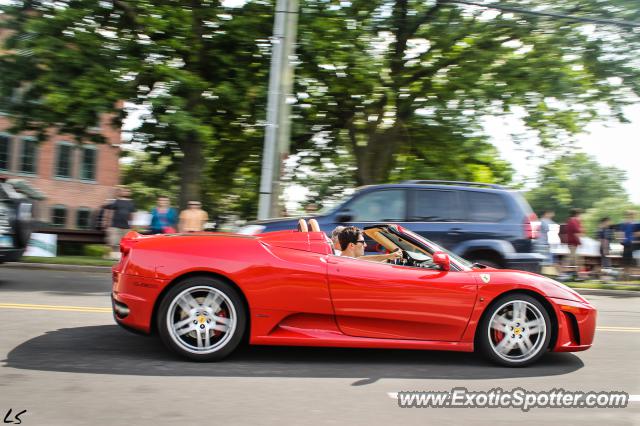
(611, 143)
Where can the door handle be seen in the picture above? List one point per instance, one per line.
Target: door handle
(454, 231)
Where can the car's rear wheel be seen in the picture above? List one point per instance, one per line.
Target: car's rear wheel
(515, 331)
(202, 318)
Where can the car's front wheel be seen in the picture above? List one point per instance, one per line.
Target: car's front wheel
(202, 318)
(515, 331)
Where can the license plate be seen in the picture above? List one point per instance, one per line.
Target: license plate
(6, 241)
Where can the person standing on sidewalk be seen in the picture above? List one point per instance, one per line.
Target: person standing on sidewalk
(604, 236)
(121, 214)
(164, 218)
(629, 229)
(543, 239)
(193, 218)
(573, 262)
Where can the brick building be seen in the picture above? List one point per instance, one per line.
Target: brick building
(75, 178)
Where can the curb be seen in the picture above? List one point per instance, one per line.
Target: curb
(57, 267)
(606, 292)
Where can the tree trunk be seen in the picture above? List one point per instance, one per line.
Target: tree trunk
(375, 160)
(191, 168)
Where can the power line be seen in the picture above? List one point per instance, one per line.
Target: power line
(506, 8)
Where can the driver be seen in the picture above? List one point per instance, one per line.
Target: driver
(352, 244)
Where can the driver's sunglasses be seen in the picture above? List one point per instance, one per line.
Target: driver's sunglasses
(361, 241)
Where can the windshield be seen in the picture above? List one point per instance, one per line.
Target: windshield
(452, 255)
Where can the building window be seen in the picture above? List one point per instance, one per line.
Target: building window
(88, 161)
(59, 216)
(83, 218)
(29, 155)
(64, 160)
(5, 152)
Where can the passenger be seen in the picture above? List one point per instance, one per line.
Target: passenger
(334, 239)
(352, 244)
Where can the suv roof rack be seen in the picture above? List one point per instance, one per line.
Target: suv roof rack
(454, 182)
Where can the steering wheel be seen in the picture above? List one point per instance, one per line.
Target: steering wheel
(401, 260)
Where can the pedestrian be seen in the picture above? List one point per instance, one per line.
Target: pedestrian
(193, 218)
(335, 241)
(121, 210)
(629, 230)
(164, 218)
(573, 261)
(604, 236)
(102, 219)
(546, 221)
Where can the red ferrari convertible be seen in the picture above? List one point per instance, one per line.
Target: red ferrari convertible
(204, 293)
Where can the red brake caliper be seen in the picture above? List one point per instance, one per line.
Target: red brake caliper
(223, 314)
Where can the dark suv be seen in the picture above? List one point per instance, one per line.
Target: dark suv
(484, 223)
(15, 222)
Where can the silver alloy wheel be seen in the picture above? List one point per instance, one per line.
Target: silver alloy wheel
(201, 319)
(517, 331)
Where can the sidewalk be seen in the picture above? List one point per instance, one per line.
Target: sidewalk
(57, 267)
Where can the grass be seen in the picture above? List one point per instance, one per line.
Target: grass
(70, 260)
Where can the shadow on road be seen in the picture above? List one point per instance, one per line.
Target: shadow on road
(108, 349)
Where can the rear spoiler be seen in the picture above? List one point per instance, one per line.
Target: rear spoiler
(127, 242)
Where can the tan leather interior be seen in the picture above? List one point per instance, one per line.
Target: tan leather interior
(313, 224)
(302, 225)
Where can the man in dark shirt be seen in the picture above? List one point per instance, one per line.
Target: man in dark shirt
(573, 261)
(121, 213)
(604, 236)
(629, 231)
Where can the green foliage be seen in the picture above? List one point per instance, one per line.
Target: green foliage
(404, 85)
(95, 250)
(384, 90)
(148, 177)
(612, 207)
(575, 181)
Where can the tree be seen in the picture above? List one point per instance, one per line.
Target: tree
(613, 207)
(575, 181)
(148, 178)
(402, 83)
(195, 66)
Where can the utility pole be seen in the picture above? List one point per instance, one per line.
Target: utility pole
(277, 130)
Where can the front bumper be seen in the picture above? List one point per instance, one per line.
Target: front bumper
(576, 325)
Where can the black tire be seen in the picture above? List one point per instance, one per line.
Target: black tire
(232, 303)
(488, 340)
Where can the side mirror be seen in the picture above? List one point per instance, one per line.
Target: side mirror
(344, 216)
(442, 260)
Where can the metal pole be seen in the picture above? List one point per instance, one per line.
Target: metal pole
(277, 126)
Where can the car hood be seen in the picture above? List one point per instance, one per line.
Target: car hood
(549, 287)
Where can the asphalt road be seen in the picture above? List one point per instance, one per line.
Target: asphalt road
(65, 361)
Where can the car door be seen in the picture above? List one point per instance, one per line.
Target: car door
(381, 300)
(438, 214)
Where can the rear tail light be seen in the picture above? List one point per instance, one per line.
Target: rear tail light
(531, 227)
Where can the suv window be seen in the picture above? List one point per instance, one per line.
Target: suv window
(486, 207)
(436, 206)
(380, 206)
